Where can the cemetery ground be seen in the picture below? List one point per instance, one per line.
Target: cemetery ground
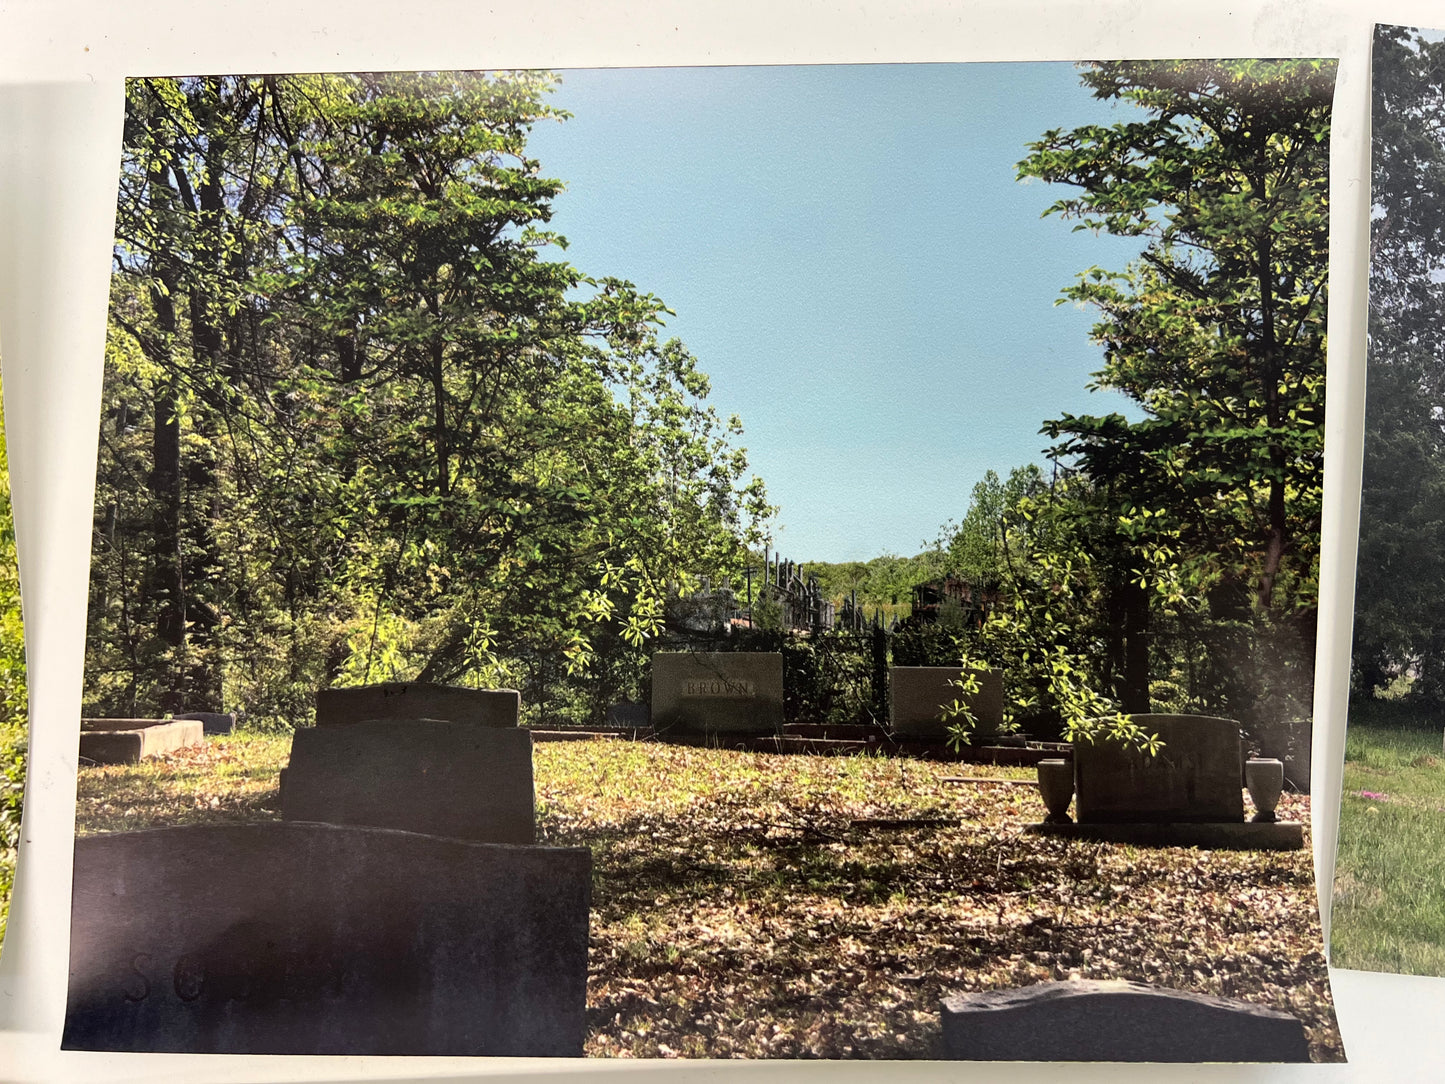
(1389, 891)
(792, 906)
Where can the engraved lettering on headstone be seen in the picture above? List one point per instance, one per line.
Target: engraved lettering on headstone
(718, 687)
(142, 959)
(188, 977)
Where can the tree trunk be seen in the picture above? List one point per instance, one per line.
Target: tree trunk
(1135, 698)
(439, 395)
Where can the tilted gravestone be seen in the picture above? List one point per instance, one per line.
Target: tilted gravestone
(417, 700)
(1116, 1021)
(126, 741)
(422, 775)
(919, 697)
(214, 722)
(718, 692)
(1197, 775)
(316, 939)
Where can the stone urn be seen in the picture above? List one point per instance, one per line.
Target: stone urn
(1056, 787)
(1265, 779)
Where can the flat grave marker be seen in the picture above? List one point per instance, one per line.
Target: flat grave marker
(127, 741)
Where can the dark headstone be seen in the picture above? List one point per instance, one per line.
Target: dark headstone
(417, 700)
(1116, 1021)
(441, 778)
(214, 722)
(126, 741)
(314, 939)
(1197, 775)
(719, 692)
(919, 696)
(633, 715)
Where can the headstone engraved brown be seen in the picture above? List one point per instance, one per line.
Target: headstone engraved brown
(919, 698)
(1116, 1021)
(422, 775)
(319, 939)
(417, 700)
(720, 692)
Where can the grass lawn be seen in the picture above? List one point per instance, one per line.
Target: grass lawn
(750, 904)
(1389, 891)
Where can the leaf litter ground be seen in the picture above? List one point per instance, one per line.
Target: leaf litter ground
(785, 906)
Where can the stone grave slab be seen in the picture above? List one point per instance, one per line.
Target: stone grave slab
(126, 741)
(418, 700)
(718, 692)
(214, 722)
(1116, 1021)
(317, 939)
(1219, 836)
(918, 696)
(1198, 774)
(422, 775)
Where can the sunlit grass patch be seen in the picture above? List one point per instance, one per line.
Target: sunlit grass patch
(229, 778)
(1389, 892)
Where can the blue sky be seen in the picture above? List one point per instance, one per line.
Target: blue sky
(853, 263)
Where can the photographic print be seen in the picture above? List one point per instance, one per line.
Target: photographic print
(760, 562)
(1389, 905)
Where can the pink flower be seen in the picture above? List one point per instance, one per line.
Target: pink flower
(1373, 796)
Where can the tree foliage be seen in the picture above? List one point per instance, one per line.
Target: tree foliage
(1401, 563)
(363, 423)
(1207, 509)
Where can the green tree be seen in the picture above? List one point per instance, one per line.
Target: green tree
(402, 438)
(982, 545)
(1216, 332)
(1401, 562)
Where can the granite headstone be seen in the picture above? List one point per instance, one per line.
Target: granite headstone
(919, 696)
(425, 775)
(1197, 775)
(1116, 1021)
(718, 692)
(214, 722)
(315, 939)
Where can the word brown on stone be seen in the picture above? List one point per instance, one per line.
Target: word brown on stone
(720, 692)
